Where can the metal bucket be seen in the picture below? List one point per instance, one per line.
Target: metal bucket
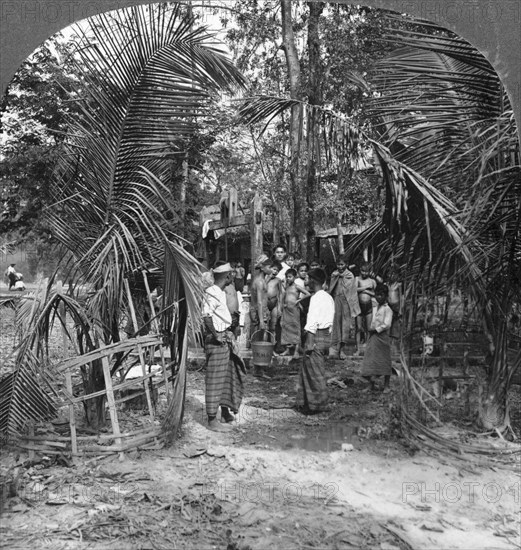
(261, 350)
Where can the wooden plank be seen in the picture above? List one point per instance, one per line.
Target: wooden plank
(148, 340)
(230, 222)
(72, 418)
(110, 400)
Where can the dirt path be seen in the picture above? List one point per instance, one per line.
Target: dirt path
(279, 480)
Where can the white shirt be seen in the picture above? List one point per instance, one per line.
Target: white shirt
(282, 273)
(321, 312)
(214, 306)
(382, 317)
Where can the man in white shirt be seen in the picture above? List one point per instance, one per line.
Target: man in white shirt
(311, 386)
(224, 368)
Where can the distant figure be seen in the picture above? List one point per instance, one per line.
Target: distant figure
(240, 277)
(19, 283)
(10, 275)
(377, 357)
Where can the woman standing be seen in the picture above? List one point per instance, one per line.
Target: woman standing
(377, 358)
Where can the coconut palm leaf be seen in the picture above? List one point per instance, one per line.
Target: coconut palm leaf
(440, 100)
(150, 74)
(23, 398)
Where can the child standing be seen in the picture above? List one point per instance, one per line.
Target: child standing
(377, 358)
(290, 320)
(365, 288)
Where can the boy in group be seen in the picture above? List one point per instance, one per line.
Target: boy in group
(240, 277)
(377, 357)
(301, 282)
(259, 312)
(344, 291)
(290, 319)
(314, 263)
(365, 289)
(311, 386)
(275, 292)
(224, 368)
(290, 260)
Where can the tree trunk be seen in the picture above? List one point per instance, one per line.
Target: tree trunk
(297, 182)
(314, 98)
(340, 237)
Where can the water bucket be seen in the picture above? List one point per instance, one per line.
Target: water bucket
(262, 351)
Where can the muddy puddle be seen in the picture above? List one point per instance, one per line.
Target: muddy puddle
(327, 439)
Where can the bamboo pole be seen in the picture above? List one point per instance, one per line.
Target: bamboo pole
(72, 419)
(155, 324)
(139, 348)
(110, 400)
(68, 376)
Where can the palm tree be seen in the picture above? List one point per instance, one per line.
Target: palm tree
(457, 130)
(149, 72)
(444, 136)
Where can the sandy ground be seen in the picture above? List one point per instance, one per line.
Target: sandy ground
(343, 479)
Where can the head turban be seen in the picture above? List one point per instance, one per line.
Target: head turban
(261, 260)
(223, 268)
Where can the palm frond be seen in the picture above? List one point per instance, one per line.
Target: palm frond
(23, 398)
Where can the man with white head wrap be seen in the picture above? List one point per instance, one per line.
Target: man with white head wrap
(224, 368)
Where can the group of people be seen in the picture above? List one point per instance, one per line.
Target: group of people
(308, 314)
(14, 279)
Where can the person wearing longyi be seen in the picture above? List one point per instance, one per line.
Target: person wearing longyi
(311, 385)
(343, 289)
(377, 357)
(224, 368)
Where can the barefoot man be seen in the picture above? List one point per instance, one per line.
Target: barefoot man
(224, 368)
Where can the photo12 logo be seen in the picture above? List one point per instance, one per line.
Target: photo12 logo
(267, 492)
(454, 491)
